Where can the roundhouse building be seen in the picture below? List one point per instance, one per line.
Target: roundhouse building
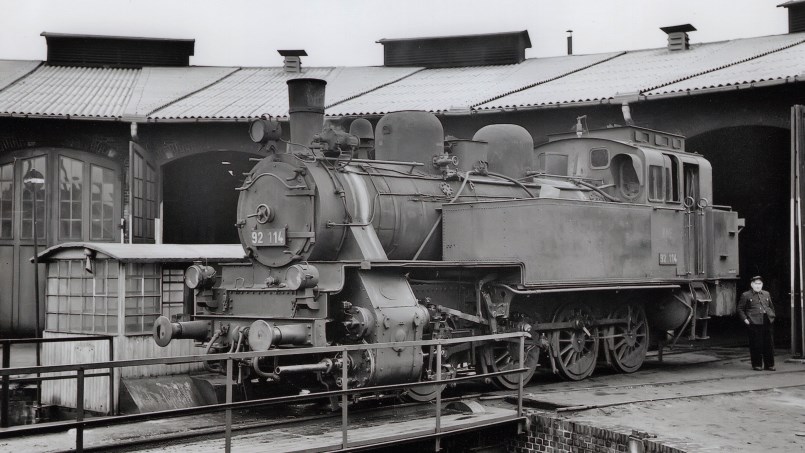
(133, 144)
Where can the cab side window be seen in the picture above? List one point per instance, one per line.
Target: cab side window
(625, 175)
(553, 164)
(671, 164)
(656, 186)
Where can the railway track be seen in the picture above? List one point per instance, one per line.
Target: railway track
(217, 432)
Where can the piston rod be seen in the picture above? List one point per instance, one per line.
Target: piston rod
(326, 365)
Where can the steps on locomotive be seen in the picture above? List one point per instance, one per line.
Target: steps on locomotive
(701, 299)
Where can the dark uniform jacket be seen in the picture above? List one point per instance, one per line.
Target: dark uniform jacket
(753, 306)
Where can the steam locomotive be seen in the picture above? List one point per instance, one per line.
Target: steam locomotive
(596, 243)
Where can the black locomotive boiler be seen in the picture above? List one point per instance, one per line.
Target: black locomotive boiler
(595, 243)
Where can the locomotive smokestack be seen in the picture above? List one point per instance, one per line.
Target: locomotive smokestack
(306, 110)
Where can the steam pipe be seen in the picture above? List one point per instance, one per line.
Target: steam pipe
(207, 366)
(516, 182)
(627, 114)
(261, 373)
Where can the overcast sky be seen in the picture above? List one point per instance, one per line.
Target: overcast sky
(343, 32)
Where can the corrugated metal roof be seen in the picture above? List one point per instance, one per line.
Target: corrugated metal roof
(233, 94)
(152, 253)
(158, 87)
(645, 70)
(251, 92)
(439, 90)
(69, 91)
(784, 65)
(11, 70)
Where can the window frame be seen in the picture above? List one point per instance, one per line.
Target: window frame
(90, 217)
(49, 227)
(82, 201)
(60, 297)
(651, 180)
(609, 158)
(45, 220)
(544, 166)
(672, 186)
(11, 201)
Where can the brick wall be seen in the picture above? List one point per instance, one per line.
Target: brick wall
(552, 434)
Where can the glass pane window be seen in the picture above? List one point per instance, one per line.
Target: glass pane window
(143, 297)
(102, 203)
(656, 191)
(137, 194)
(172, 292)
(553, 164)
(599, 158)
(71, 184)
(671, 179)
(33, 195)
(78, 301)
(6, 200)
(150, 200)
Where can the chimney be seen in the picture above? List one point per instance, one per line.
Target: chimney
(678, 36)
(292, 62)
(305, 109)
(796, 15)
(570, 42)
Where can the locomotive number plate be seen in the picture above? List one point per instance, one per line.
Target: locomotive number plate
(269, 238)
(667, 259)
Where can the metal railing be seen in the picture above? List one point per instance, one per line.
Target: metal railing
(80, 423)
(5, 388)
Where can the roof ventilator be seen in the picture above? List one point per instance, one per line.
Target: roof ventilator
(796, 15)
(293, 62)
(678, 36)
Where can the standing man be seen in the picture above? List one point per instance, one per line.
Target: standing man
(757, 312)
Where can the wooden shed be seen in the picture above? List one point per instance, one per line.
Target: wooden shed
(116, 290)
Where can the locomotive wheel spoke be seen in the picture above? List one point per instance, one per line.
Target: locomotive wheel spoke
(628, 343)
(576, 348)
(505, 356)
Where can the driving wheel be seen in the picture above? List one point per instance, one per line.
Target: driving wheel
(627, 343)
(575, 348)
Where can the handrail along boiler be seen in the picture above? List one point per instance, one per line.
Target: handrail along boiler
(594, 242)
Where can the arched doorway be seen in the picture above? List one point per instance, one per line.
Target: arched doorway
(199, 198)
(751, 168)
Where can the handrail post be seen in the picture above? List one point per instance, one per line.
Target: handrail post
(520, 377)
(79, 404)
(111, 410)
(4, 395)
(438, 396)
(228, 441)
(344, 387)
